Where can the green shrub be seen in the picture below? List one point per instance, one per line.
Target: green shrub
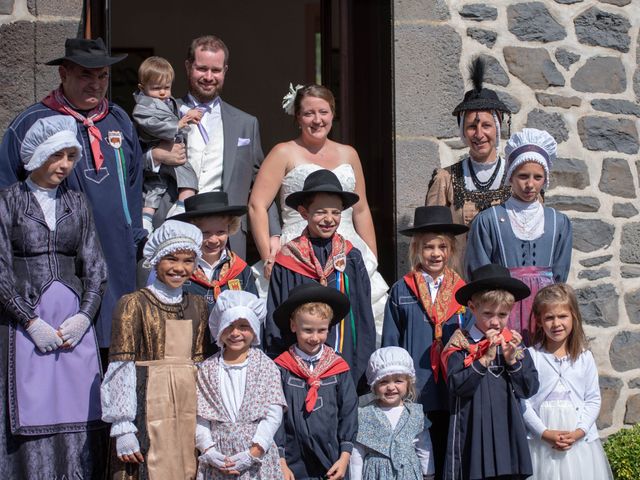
(623, 452)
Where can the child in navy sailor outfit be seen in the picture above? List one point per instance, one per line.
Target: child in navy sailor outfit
(322, 256)
(488, 372)
(320, 425)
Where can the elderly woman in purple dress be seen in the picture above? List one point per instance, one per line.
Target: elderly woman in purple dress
(53, 277)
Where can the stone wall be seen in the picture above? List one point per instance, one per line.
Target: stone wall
(568, 66)
(32, 32)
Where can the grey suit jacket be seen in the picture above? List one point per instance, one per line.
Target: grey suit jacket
(240, 167)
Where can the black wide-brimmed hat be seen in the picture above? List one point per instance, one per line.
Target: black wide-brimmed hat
(87, 53)
(478, 98)
(206, 204)
(492, 277)
(434, 219)
(307, 293)
(321, 181)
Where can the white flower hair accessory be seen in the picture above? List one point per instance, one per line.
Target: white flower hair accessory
(289, 99)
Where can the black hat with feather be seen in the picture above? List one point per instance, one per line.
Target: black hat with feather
(478, 98)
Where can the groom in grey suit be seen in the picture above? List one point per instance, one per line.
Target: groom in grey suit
(224, 148)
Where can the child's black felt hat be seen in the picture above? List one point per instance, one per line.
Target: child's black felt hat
(311, 293)
(492, 277)
(435, 219)
(322, 181)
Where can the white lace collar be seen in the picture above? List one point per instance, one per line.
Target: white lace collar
(526, 219)
(164, 293)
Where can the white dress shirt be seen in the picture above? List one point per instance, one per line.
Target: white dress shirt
(207, 158)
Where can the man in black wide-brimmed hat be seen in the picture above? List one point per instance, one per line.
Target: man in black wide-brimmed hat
(110, 170)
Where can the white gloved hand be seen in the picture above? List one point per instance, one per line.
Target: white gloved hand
(127, 444)
(74, 328)
(243, 461)
(213, 458)
(43, 335)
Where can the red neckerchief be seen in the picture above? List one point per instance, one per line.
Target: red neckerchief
(440, 311)
(56, 101)
(229, 271)
(328, 365)
(298, 256)
(459, 342)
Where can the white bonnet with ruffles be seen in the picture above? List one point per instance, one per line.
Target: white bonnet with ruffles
(389, 361)
(172, 236)
(232, 305)
(47, 136)
(530, 145)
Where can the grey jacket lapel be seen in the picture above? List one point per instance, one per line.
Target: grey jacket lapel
(231, 134)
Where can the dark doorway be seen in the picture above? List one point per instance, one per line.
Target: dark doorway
(344, 44)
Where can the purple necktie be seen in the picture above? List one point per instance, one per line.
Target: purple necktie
(203, 131)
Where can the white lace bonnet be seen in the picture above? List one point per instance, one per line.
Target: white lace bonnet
(171, 236)
(530, 145)
(47, 136)
(389, 361)
(232, 305)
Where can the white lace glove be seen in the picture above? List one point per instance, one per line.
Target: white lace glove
(213, 458)
(127, 444)
(243, 461)
(74, 328)
(43, 335)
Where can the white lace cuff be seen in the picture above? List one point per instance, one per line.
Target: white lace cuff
(122, 427)
(118, 395)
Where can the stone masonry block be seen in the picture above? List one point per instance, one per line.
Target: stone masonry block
(598, 305)
(415, 162)
(616, 178)
(50, 37)
(533, 66)
(16, 69)
(624, 352)
(569, 172)
(58, 8)
(428, 87)
(600, 74)
(610, 392)
(532, 22)
(608, 134)
(6, 7)
(590, 234)
(603, 29)
(630, 243)
(429, 10)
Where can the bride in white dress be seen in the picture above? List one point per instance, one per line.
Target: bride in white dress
(285, 169)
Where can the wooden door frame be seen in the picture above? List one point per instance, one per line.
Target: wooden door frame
(357, 65)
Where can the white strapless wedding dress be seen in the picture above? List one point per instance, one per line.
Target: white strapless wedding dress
(294, 224)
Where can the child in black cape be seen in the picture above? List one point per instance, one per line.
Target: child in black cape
(488, 372)
(322, 256)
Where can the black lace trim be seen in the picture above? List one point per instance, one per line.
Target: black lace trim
(481, 199)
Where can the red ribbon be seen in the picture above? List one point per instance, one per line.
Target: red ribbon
(329, 364)
(56, 101)
(474, 350)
